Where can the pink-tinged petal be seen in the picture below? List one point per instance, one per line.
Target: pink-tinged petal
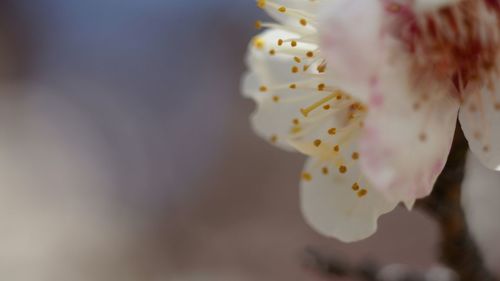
(408, 132)
(343, 206)
(480, 120)
(350, 34)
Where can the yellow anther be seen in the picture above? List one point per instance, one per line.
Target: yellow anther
(321, 87)
(306, 176)
(282, 9)
(297, 59)
(293, 43)
(355, 155)
(293, 86)
(296, 121)
(295, 69)
(336, 148)
(303, 22)
(326, 107)
(258, 24)
(261, 3)
(355, 186)
(362, 193)
(273, 139)
(280, 42)
(324, 170)
(343, 169)
(272, 52)
(317, 143)
(276, 98)
(258, 43)
(332, 131)
(310, 54)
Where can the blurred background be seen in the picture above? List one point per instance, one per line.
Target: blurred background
(126, 152)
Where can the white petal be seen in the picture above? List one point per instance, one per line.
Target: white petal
(350, 33)
(331, 132)
(276, 69)
(411, 120)
(408, 133)
(279, 117)
(480, 194)
(480, 120)
(268, 79)
(333, 208)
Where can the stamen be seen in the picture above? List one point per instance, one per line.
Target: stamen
(306, 176)
(317, 143)
(325, 170)
(343, 169)
(362, 193)
(307, 110)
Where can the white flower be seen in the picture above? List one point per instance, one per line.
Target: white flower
(371, 90)
(416, 63)
(300, 109)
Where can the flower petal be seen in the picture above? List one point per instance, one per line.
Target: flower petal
(409, 131)
(331, 129)
(271, 74)
(339, 205)
(480, 120)
(296, 108)
(273, 61)
(480, 195)
(350, 33)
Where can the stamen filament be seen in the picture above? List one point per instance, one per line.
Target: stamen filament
(309, 109)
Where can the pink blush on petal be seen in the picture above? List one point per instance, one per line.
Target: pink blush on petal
(376, 98)
(436, 169)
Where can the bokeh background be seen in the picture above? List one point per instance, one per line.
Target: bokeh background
(126, 152)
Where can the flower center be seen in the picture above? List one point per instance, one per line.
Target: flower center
(458, 42)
